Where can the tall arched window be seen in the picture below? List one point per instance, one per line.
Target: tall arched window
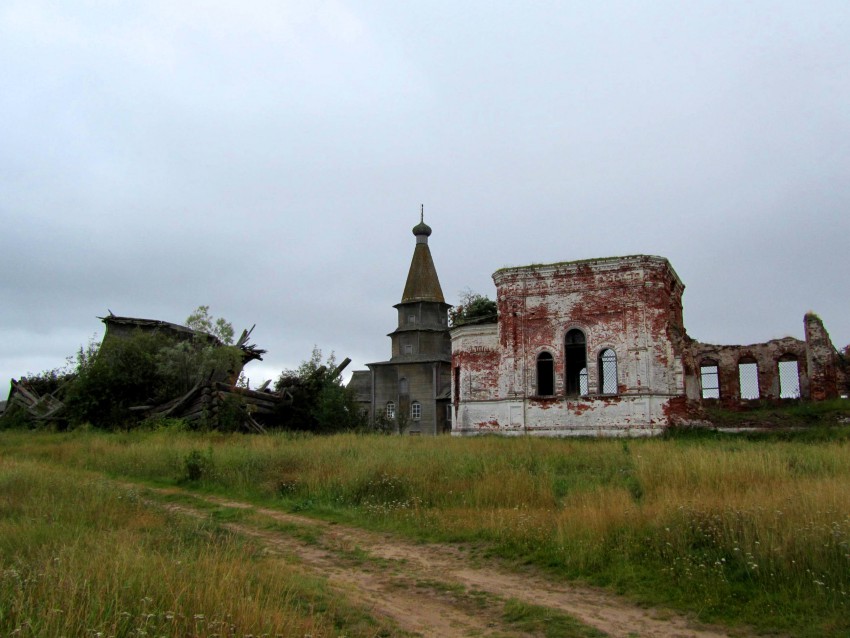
(608, 372)
(416, 410)
(748, 378)
(789, 377)
(390, 410)
(545, 374)
(403, 386)
(575, 355)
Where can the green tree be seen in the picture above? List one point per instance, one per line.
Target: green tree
(202, 321)
(473, 308)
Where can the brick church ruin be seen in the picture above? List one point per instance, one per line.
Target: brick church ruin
(591, 347)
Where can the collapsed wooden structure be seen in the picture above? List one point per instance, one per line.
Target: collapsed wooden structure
(214, 402)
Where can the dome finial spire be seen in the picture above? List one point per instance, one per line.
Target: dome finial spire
(422, 230)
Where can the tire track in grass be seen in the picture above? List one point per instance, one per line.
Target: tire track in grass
(436, 590)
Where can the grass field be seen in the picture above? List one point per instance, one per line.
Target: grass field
(741, 530)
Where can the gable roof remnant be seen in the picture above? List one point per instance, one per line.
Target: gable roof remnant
(250, 351)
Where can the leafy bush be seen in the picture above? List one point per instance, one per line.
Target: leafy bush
(473, 308)
(123, 375)
(16, 418)
(320, 403)
(144, 369)
(196, 465)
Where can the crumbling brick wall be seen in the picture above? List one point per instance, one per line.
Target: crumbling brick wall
(826, 374)
(626, 308)
(631, 307)
(727, 358)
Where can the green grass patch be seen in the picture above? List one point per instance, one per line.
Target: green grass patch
(546, 622)
(305, 533)
(81, 556)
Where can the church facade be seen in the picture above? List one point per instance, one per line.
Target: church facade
(598, 347)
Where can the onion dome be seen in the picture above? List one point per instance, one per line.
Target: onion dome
(422, 229)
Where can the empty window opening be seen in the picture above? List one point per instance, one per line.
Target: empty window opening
(457, 385)
(403, 386)
(390, 410)
(709, 381)
(416, 410)
(748, 379)
(407, 348)
(545, 374)
(608, 372)
(789, 378)
(411, 318)
(575, 353)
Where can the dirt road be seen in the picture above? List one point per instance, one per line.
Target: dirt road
(439, 590)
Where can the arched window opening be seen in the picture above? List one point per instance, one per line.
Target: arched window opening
(390, 410)
(608, 372)
(789, 377)
(545, 374)
(403, 386)
(748, 379)
(416, 411)
(575, 355)
(709, 380)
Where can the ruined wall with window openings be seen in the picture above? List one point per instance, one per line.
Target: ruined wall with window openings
(599, 347)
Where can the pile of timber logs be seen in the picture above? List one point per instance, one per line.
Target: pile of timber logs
(203, 404)
(44, 407)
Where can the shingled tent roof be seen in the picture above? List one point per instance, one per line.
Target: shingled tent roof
(422, 281)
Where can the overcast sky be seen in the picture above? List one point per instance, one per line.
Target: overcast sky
(268, 159)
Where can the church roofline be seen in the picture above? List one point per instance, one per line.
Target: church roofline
(422, 283)
(412, 358)
(415, 301)
(600, 263)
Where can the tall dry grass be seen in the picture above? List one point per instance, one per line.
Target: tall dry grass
(737, 530)
(82, 557)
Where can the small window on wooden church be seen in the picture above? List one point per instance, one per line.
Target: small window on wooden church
(416, 410)
(411, 318)
(390, 410)
(407, 348)
(403, 386)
